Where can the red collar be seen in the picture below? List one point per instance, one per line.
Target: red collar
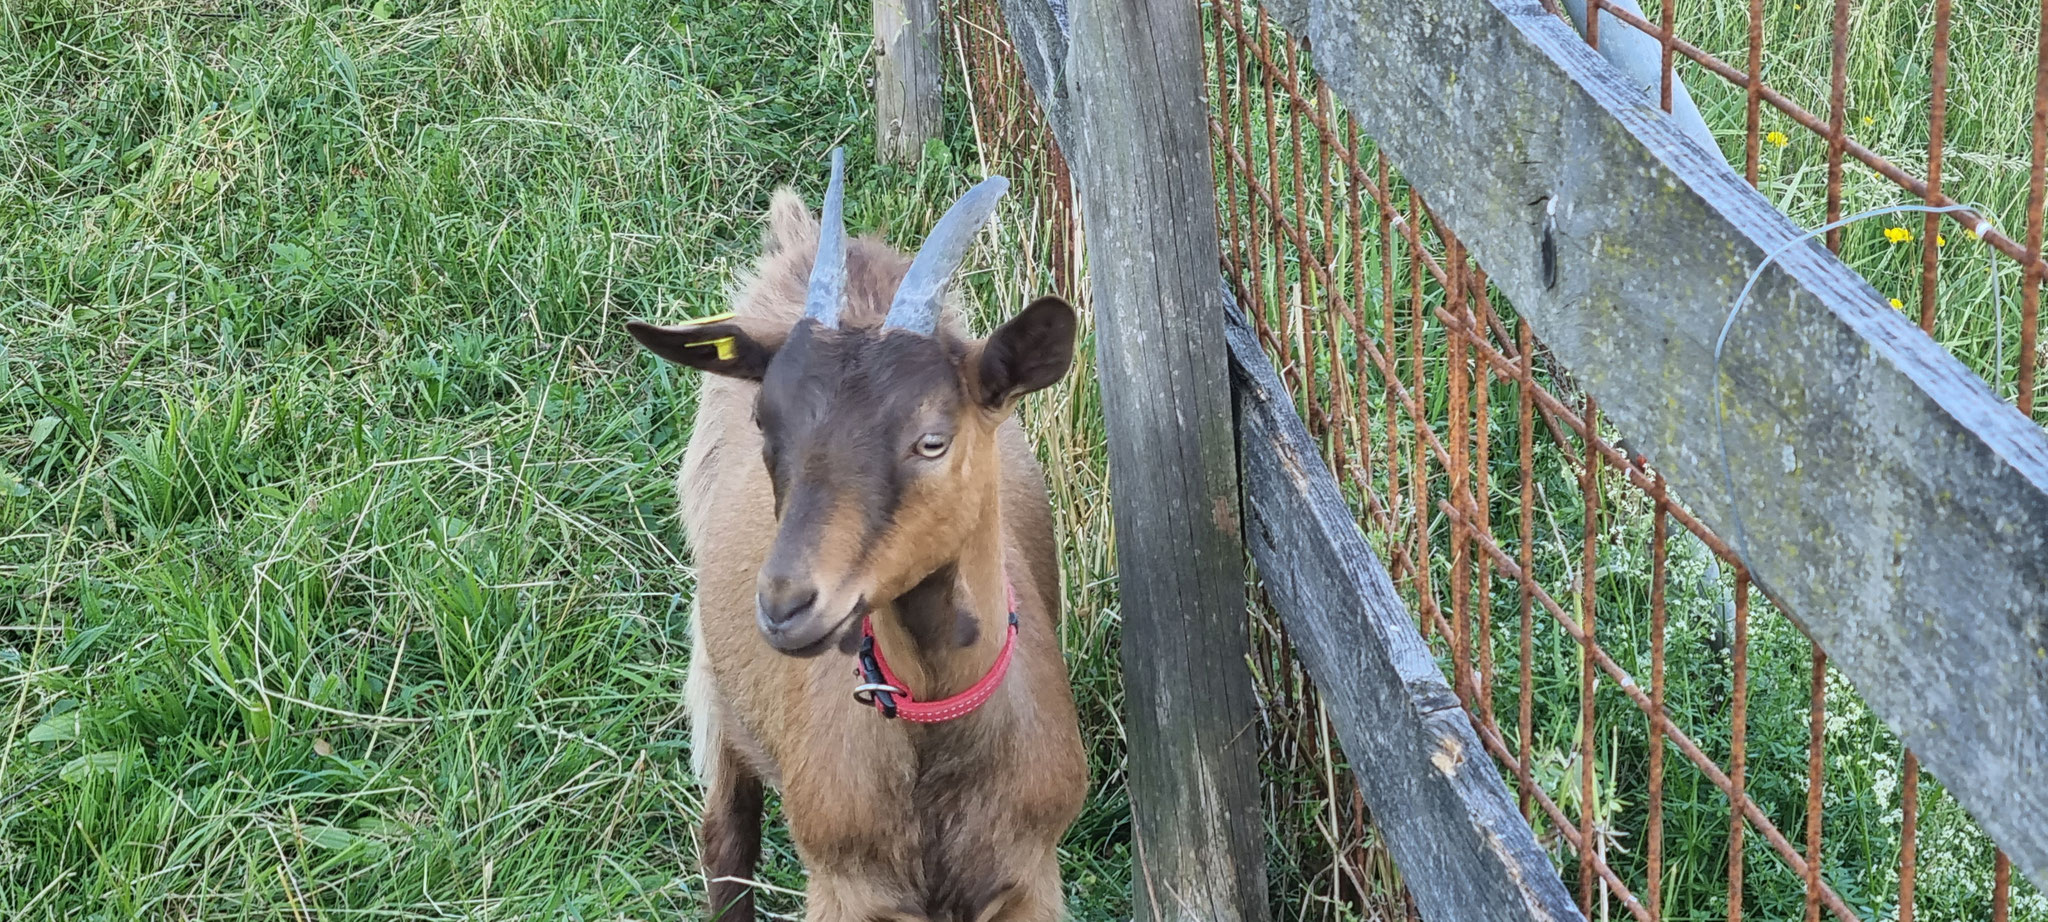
(881, 688)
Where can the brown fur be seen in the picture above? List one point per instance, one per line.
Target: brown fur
(955, 822)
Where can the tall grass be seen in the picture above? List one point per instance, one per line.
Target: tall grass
(338, 572)
(338, 568)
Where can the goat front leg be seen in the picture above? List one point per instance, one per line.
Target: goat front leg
(731, 834)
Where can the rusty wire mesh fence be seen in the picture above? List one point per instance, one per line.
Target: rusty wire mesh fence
(1681, 747)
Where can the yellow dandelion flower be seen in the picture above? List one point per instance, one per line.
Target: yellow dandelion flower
(1867, 120)
(1898, 235)
(1877, 175)
(1898, 304)
(1940, 241)
(1972, 232)
(1778, 138)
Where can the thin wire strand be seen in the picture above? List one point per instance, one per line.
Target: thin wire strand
(1721, 343)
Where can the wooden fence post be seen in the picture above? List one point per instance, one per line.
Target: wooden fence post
(907, 78)
(1147, 186)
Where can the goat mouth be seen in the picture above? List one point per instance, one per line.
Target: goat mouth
(839, 634)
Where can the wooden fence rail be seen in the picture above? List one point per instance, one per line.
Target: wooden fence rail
(1462, 847)
(1892, 504)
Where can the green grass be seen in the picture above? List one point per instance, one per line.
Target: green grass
(339, 575)
(338, 568)
(1986, 147)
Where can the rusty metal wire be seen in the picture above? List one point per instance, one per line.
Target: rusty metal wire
(1010, 128)
(1460, 442)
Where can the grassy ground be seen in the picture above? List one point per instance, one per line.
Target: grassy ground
(337, 559)
(338, 575)
(1986, 152)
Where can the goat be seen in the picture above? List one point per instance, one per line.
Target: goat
(856, 482)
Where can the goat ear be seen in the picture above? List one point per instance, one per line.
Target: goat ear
(721, 347)
(791, 226)
(1031, 352)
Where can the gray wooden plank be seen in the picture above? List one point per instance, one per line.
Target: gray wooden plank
(1892, 503)
(908, 78)
(1141, 161)
(1038, 34)
(1436, 795)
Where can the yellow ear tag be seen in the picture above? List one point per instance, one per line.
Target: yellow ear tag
(724, 344)
(725, 347)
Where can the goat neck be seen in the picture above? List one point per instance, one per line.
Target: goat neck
(944, 634)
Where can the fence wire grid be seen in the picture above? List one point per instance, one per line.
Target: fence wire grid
(1682, 749)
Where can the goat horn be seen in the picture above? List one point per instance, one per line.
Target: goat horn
(916, 306)
(828, 270)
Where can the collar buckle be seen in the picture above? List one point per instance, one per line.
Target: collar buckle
(874, 689)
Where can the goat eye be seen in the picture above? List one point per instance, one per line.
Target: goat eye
(931, 445)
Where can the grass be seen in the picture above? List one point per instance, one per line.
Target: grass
(1986, 149)
(338, 568)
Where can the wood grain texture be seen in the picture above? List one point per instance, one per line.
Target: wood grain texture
(1462, 846)
(908, 78)
(1139, 126)
(1038, 33)
(1893, 505)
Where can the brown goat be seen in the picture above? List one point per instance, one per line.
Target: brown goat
(856, 462)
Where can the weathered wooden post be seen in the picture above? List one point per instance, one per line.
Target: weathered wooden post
(907, 78)
(1140, 131)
